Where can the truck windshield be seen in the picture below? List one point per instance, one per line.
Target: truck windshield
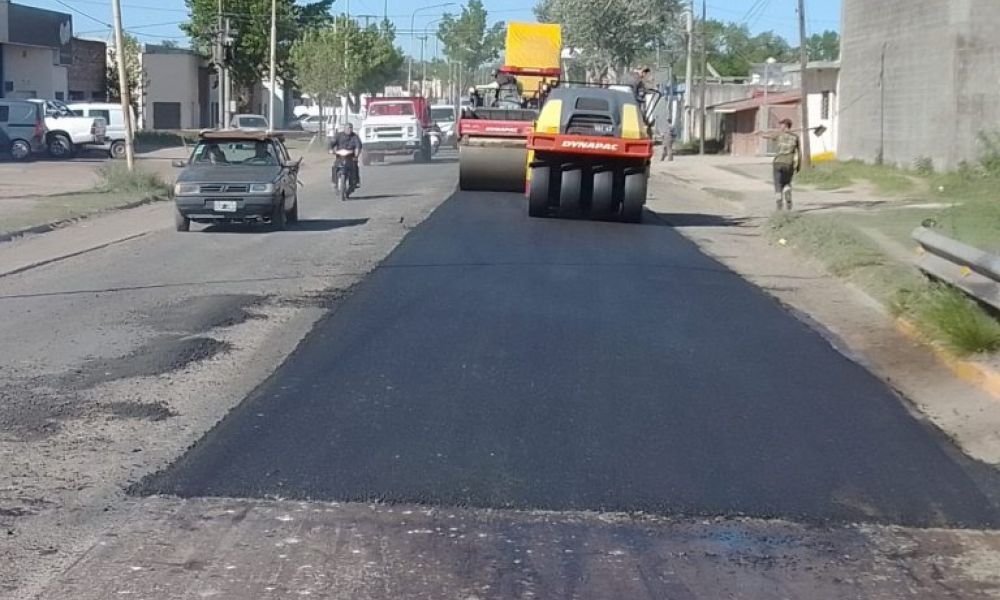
(387, 109)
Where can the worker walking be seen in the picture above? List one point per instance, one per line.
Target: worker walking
(668, 142)
(787, 162)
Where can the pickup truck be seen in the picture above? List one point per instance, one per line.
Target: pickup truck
(66, 132)
(396, 126)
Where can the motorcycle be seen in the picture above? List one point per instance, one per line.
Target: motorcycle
(435, 140)
(343, 172)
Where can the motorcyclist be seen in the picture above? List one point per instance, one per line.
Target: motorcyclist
(348, 140)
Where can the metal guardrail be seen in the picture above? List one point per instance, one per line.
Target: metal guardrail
(970, 269)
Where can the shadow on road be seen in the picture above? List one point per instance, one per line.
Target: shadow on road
(700, 220)
(325, 224)
(380, 196)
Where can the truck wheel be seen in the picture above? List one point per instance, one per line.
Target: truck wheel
(634, 197)
(538, 192)
(117, 150)
(602, 205)
(570, 190)
(181, 223)
(60, 146)
(366, 159)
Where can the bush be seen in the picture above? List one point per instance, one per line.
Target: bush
(989, 157)
(115, 177)
(924, 166)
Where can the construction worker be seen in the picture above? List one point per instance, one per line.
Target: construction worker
(787, 162)
(639, 83)
(669, 135)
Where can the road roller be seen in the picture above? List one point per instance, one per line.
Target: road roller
(589, 155)
(492, 151)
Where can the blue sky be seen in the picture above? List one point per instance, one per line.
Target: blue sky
(156, 20)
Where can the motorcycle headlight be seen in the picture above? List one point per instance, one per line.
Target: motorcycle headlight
(185, 189)
(262, 188)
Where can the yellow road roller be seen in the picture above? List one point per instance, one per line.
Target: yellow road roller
(589, 155)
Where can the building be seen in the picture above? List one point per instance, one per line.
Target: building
(742, 120)
(35, 52)
(87, 75)
(176, 89)
(919, 79)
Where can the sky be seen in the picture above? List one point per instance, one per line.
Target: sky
(154, 21)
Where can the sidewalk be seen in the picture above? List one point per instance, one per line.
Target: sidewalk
(723, 204)
(38, 194)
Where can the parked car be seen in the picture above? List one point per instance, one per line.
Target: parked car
(114, 137)
(249, 123)
(314, 123)
(67, 132)
(22, 129)
(237, 177)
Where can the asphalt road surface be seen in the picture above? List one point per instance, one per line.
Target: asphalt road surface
(498, 361)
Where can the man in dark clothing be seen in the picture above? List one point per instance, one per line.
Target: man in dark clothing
(639, 84)
(348, 140)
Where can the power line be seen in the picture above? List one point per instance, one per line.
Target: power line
(83, 14)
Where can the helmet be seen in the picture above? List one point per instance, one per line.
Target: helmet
(472, 90)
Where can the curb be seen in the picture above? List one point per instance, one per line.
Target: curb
(973, 373)
(47, 227)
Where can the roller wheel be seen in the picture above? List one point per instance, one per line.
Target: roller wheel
(603, 204)
(634, 197)
(538, 192)
(570, 191)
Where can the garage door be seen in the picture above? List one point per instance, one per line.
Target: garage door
(166, 115)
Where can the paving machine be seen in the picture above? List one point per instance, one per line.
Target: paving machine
(492, 137)
(589, 153)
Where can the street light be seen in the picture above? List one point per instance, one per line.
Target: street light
(413, 17)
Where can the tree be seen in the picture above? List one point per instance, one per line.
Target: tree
(824, 46)
(611, 34)
(135, 77)
(249, 58)
(468, 40)
(345, 59)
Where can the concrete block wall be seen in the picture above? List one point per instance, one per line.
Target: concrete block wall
(941, 81)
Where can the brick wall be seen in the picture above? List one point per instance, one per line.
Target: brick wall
(941, 82)
(87, 73)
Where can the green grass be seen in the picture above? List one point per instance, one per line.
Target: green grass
(114, 177)
(943, 314)
(950, 317)
(836, 175)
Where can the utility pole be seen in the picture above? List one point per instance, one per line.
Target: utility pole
(227, 76)
(689, 75)
(423, 64)
(219, 67)
(274, 51)
(704, 75)
(123, 90)
(806, 160)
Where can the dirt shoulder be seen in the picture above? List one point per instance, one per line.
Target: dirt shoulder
(726, 211)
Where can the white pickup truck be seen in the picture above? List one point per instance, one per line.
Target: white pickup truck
(396, 125)
(66, 132)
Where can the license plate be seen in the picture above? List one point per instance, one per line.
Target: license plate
(224, 205)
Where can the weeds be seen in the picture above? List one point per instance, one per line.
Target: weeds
(950, 317)
(837, 175)
(115, 177)
(923, 166)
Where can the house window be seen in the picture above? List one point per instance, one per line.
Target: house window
(825, 106)
(76, 95)
(60, 96)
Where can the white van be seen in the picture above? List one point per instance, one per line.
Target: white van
(114, 137)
